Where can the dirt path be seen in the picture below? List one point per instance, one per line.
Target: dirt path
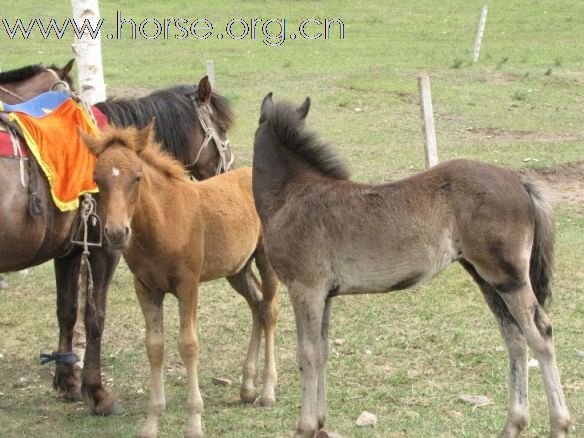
(566, 182)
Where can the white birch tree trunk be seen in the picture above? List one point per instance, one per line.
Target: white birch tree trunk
(88, 52)
(92, 87)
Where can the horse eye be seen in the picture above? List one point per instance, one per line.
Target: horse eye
(137, 178)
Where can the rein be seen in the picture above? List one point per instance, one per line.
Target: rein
(58, 82)
(12, 94)
(222, 146)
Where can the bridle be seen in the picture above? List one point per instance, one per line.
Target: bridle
(226, 157)
(58, 82)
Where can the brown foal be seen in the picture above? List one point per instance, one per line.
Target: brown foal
(326, 236)
(174, 234)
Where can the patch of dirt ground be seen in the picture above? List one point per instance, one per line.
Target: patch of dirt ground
(566, 182)
(518, 135)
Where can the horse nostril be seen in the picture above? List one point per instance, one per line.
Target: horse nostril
(127, 230)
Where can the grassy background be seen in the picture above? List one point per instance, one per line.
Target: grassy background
(429, 345)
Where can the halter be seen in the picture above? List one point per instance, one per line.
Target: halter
(222, 146)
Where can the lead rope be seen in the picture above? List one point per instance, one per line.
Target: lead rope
(87, 215)
(88, 207)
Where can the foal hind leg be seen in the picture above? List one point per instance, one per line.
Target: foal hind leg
(269, 314)
(152, 309)
(512, 283)
(245, 284)
(537, 329)
(518, 409)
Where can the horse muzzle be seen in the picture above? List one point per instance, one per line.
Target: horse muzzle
(117, 237)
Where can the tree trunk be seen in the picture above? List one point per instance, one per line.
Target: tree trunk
(92, 87)
(88, 52)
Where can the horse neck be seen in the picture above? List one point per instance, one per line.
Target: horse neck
(275, 170)
(26, 89)
(158, 194)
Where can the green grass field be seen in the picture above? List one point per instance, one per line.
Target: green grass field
(406, 356)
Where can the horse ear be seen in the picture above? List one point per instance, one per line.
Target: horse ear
(91, 142)
(204, 90)
(67, 69)
(303, 109)
(267, 105)
(145, 136)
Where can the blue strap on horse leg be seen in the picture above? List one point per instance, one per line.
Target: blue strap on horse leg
(68, 358)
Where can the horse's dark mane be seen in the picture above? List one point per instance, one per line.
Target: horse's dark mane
(289, 129)
(21, 74)
(174, 113)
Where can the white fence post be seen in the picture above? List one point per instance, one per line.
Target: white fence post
(479, 35)
(211, 73)
(427, 120)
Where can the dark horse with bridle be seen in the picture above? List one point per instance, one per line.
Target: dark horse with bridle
(186, 119)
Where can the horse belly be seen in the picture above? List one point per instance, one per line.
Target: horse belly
(394, 270)
(228, 250)
(21, 235)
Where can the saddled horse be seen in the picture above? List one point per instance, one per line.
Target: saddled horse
(27, 82)
(174, 234)
(29, 240)
(327, 236)
(24, 83)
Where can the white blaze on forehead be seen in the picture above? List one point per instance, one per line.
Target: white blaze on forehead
(115, 171)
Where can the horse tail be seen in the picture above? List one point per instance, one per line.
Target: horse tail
(542, 251)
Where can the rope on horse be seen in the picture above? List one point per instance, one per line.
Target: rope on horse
(87, 216)
(88, 208)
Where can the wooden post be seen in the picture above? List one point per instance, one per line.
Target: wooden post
(427, 120)
(479, 35)
(211, 73)
(88, 53)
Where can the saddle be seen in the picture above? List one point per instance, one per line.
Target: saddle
(47, 127)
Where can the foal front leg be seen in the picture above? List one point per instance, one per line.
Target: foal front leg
(308, 311)
(151, 304)
(189, 350)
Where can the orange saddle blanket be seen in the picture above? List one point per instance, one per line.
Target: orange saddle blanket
(54, 140)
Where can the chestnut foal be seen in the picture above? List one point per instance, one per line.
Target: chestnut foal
(174, 234)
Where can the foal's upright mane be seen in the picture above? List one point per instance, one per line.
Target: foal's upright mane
(288, 126)
(151, 153)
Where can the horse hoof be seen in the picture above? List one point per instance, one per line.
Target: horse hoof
(267, 402)
(73, 395)
(325, 434)
(106, 408)
(247, 397)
